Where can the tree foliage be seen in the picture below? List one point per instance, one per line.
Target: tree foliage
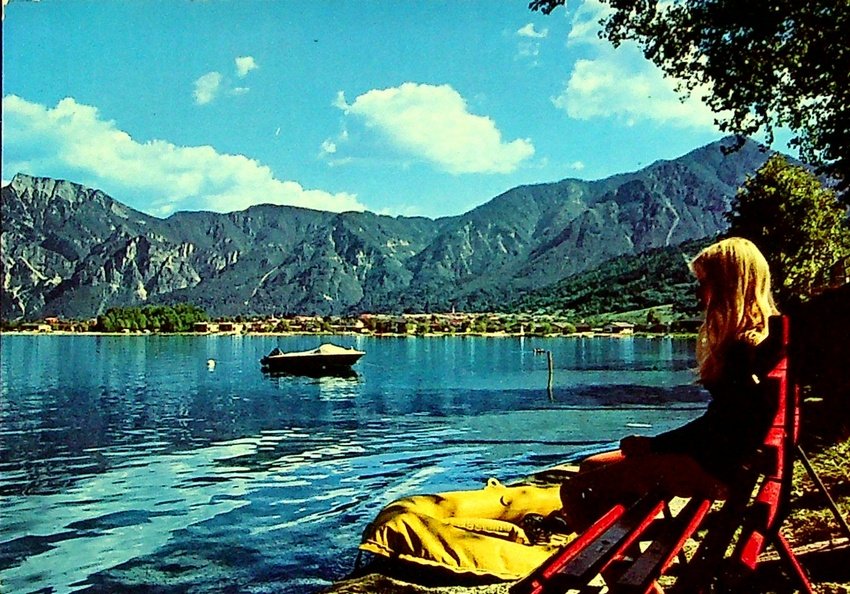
(763, 64)
(157, 318)
(655, 277)
(798, 224)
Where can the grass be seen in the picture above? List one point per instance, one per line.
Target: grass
(810, 519)
(664, 314)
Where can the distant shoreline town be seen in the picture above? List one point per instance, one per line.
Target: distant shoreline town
(446, 324)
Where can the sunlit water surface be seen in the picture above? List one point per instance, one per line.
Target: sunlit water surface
(128, 464)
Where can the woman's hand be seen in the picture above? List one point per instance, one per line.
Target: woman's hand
(635, 445)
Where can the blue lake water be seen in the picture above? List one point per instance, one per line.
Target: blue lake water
(128, 465)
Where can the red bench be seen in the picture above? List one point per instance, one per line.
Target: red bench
(629, 548)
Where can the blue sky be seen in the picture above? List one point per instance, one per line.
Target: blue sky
(403, 108)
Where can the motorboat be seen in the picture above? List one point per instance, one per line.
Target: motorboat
(327, 358)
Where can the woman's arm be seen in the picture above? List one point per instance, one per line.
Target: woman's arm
(688, 438)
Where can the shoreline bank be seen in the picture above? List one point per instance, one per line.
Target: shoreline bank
(653, 335)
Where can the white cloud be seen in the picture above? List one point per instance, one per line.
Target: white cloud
(529, 31)
(528, 49)
(212, 84)
(576, 165)
(340, 102)
(585, 24)
(166, 177)
(529, 45)
(622, 84)
(207, 87)
(433, 123)
(244, 65)
(328, 147)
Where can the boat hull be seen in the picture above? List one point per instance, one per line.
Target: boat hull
(327, 358)
(319, 362)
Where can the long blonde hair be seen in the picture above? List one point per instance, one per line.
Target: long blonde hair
(735, 280)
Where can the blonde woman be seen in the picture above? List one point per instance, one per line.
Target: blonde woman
(701, 457)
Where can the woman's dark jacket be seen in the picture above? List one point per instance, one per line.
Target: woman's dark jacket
(736, 421)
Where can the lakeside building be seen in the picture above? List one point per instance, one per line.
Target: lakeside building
(686, 325)
(619, 328)
(205, 327)
(36, 327)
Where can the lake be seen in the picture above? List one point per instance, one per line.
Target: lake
(127, 464)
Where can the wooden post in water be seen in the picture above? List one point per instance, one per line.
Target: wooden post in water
(551, 364)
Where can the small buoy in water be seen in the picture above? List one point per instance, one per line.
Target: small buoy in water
(210, 364)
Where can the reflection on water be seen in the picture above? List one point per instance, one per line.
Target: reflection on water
(334, 372)
(130, 463)
(332, 384)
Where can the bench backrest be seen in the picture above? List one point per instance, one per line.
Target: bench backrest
(770, 504)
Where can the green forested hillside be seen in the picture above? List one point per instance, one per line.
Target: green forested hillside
(651, 278)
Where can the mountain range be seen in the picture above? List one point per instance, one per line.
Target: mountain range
(73, 251)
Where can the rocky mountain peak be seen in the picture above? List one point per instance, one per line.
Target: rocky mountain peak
(74, 251)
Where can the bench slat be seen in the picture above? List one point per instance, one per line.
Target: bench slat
(663, 549)
(610, 544)
(536, 582)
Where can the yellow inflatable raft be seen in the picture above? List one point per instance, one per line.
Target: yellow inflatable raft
(469, 532)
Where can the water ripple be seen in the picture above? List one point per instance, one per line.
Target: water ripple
(135, 467)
